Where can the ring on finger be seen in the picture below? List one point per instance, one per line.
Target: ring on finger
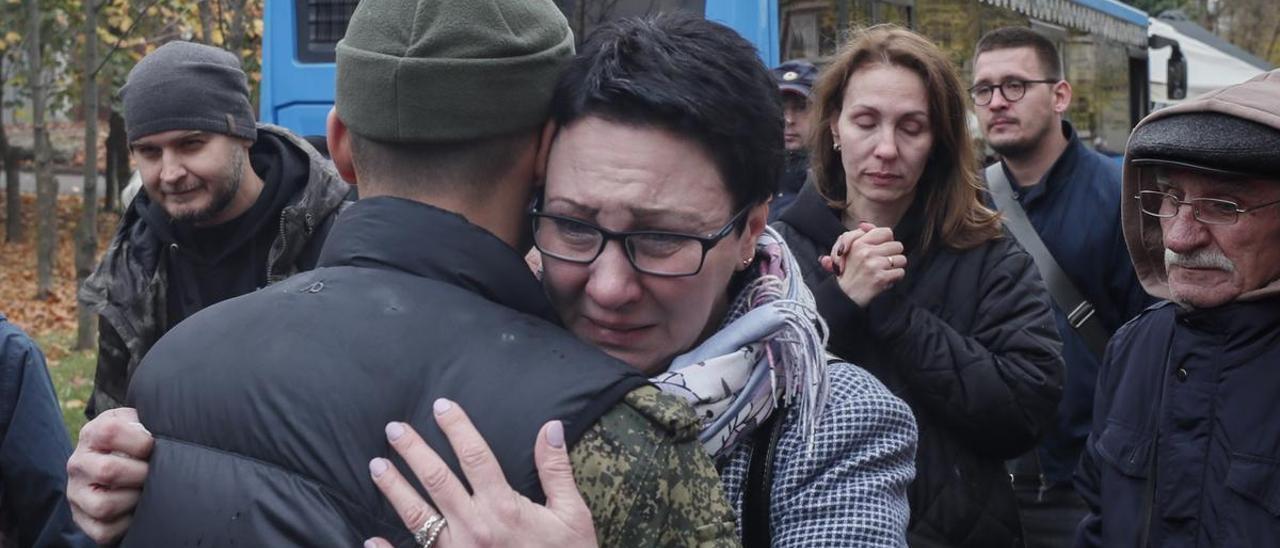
(892, 262)
(426, 535)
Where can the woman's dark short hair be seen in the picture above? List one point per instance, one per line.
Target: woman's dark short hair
(690, 76)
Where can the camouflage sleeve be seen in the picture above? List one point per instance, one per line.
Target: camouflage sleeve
(648, 481)
(109, 384)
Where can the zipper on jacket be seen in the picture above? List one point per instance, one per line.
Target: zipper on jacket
(283, 245)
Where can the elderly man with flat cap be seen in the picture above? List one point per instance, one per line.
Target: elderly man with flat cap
(1185, 446)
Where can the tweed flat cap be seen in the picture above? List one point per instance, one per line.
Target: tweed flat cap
(1208, 141)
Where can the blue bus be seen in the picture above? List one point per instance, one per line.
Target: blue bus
(1104, 45)
(300, 35)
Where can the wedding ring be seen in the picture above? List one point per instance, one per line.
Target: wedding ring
(430, 531)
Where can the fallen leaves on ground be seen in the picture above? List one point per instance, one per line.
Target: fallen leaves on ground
(18, 271)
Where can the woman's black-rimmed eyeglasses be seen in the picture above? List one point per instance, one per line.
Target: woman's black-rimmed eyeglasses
(1012, 90)
(658, 253)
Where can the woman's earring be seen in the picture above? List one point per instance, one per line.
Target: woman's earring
(747, 262)
(835, 145)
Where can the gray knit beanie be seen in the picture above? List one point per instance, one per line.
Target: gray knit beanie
(189, 86)
(449, 70)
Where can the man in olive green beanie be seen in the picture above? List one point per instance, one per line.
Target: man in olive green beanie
(267, 410)
(449, 71)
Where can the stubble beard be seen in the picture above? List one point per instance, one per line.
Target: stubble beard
(1023, 147)
(223, 194)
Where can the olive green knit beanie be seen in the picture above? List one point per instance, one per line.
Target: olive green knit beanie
(449, 70)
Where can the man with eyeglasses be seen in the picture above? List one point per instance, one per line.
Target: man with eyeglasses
(1068, 198)
(1185, 446)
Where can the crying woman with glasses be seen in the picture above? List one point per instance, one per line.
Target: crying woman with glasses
(652, 239)
(652, 231)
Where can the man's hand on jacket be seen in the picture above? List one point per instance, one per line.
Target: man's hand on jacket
(106, 472)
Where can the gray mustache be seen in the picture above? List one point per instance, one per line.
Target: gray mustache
(1201, 259)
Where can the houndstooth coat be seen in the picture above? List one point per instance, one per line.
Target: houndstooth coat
(850, 487)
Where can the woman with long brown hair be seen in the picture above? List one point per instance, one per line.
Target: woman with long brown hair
(918, 284)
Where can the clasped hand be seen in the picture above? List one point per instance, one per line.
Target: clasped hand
(866, 261)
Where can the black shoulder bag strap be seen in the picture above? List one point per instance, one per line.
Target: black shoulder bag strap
(1080, 312)
(756, 532)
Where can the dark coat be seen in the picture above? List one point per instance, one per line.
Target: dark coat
(1195, 390)
(34, 448)
(1075, 209)
(967, 339)
(795, 172)
(130, 286)
(267, 408)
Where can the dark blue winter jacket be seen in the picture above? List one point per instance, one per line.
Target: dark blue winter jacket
(1195, 390)
(1076, 210)
(34, 448)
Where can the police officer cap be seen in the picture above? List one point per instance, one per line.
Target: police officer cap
(796, 77)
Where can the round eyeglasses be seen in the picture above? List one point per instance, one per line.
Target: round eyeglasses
(1012, 90)
(668, 254)
(1210, 211)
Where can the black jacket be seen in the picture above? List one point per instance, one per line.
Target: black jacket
(968, 340)
(795, 172)
(267, 408)
(131, 286)
(1193, 391)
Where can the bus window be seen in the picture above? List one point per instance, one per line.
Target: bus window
(321, 23)
(585, 15)
(815, 29)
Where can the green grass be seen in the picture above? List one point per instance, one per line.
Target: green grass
(72, 373)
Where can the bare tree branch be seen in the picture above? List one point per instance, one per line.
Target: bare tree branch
(125, 35)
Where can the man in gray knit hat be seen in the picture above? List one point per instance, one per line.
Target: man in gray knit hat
(1186, 432)
(267, 409)
(228, 207)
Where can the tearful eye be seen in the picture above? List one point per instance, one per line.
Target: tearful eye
(658, 245)
(572, 230)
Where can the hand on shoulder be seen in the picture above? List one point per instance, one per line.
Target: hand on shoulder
(491, 513)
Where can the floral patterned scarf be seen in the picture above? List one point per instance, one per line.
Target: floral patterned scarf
(769, 351)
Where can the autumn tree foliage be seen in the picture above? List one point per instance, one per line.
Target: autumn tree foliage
(70, 57)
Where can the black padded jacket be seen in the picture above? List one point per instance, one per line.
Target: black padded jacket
(968, 340)
(266, 408)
